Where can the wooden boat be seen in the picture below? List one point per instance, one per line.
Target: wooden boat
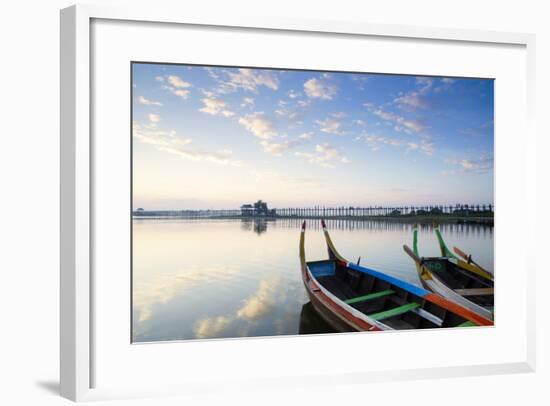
(463, 282)
(351, 297)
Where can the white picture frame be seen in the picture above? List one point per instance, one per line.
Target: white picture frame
(77, 281)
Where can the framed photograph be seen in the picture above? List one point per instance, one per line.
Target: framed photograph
(263, 199)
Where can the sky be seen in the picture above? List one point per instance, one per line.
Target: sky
(218, 137)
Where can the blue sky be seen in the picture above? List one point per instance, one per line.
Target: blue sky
(217, 137)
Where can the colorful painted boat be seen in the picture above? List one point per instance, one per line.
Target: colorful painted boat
(351, 297)
(462, 282)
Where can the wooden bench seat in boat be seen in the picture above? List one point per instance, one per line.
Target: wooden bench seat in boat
(370, 296)
(396, 311)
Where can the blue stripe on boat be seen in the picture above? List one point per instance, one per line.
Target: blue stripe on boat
(415, 290)
(322, 268)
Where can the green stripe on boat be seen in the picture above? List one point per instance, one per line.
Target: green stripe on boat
(415, 240)
(386, 314)
(371, 296)
(467, 324)
(445, 252)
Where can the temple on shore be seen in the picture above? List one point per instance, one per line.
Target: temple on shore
(257, 209)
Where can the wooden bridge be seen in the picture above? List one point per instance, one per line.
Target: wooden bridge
(459, 210)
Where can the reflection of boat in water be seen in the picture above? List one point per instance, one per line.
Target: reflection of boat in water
(462, 281)
(311, 322)
(355, 298)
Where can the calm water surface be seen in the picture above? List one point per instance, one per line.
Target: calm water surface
(236, 278)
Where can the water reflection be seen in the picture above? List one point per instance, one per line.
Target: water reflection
(261, 225)
(216, 278)
(388, 225)
(312, 323)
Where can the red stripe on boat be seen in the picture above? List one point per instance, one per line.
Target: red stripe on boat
(461, 311)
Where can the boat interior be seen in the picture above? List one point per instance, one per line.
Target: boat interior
(476, 288)
(380, 299)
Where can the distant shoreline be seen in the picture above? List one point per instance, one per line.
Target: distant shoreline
(422, 219)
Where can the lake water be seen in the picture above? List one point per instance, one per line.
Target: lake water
(197, 279)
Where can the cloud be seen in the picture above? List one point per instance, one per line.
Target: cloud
(444, 84)
(159, 78)
(359, 122)
(182, 93)
(325, 155)
(376, 141)
(390, 141)
(160, 138)
(480, 165)
(170, 142)
(176, 81)
(148, 102)
(330, 126)
(306, 136)
(289, 114)
(412, 146)
(425, 83)
(247, 102)
(320, 89)
(400, 123)
(416, 100)
(258, 125)
(294, 94)
(277, 148)
(411, 101)
(215, 107)
(153, 118)
(427, 146)
(177, 86)
(250, 79)
(230, 79)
